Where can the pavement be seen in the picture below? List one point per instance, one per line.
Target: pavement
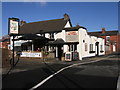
(25, 64)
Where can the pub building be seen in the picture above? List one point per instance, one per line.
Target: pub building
(61, 40)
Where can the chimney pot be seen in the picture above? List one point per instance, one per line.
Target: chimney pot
(66, 17)
(103, 30)
(22, 22)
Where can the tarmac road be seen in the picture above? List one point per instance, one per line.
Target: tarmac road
(99, 74)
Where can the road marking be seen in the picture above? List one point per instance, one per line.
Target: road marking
(118, 82)
(45, 80)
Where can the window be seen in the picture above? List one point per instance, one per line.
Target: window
(101, 48)
(91, 47)
(75, 47)
(51, 35)
(70, 47)
(107, 38)
(85, 46)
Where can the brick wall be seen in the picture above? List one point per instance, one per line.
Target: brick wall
(5, 58)
(116, 39)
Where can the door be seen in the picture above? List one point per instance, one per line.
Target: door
(60, 51)
(97, 48)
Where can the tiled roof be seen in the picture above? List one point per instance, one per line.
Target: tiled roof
(107, 33)
(54, 25)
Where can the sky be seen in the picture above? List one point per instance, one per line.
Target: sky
(92, 15)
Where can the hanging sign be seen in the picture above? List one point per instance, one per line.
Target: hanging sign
(13, 26)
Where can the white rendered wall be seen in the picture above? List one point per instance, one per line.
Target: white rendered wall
(79, 46)
(67, 25)
(47, 35)
(85, 38)
(101, 42)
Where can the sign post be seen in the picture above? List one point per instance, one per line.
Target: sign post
(13, 30)
(13, 50)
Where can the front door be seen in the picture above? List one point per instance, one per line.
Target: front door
(60, 51)
(97, 48)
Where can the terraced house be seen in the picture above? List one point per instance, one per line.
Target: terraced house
(112, 40)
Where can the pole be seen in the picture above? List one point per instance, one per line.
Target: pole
(13, 50)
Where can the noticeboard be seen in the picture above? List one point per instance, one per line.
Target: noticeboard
(75, 56)
(68, 56)
(31, 54)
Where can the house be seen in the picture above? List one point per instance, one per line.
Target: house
(64, 39)
(4, 42)
(112, 43)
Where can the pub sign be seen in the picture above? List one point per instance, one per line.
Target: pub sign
(13, 26)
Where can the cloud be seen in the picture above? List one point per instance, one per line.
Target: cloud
(43, 2)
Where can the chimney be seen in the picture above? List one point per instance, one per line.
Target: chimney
(3, 37)
(103, 30)
(22, 22)
(66, 17)
(77, 25)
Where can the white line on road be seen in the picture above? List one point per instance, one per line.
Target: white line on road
(45, 80)
(118, 83)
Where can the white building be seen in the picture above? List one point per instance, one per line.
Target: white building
(77, 39)
(67, 39)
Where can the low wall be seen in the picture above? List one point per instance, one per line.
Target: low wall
(6, 56)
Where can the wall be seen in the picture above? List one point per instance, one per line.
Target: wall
(84, 38)
(113, 48)
(67, 25)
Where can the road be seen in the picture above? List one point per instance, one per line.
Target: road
(99, 74)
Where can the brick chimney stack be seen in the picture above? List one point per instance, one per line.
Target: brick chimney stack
(77, 25)
(103, 30)
(66, 17)
(22, 22)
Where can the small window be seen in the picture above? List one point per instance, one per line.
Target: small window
(91, 47)
(51, 35)
(101, 48)
(85, 46)
(107, 38)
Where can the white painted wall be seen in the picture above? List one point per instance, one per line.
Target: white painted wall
(47, 35)
(67, 25)
(58, 35)
(101, 42)
(80, 46)
(83, 36)
(114, 48)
